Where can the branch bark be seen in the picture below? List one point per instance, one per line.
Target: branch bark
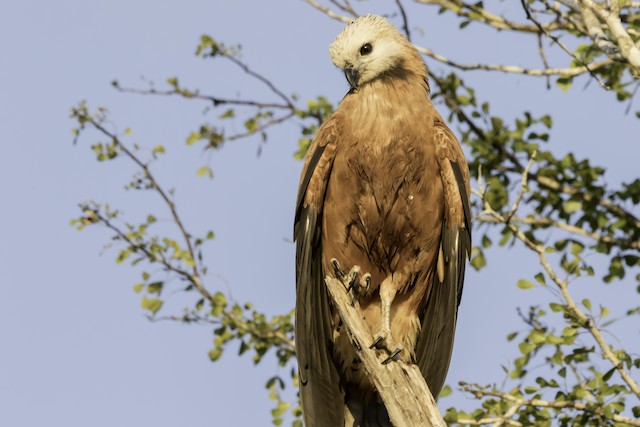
(401, 386)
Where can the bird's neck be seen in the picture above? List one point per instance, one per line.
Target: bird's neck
(393, 102)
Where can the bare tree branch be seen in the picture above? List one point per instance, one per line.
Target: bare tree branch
(627, 46)
(401, 387)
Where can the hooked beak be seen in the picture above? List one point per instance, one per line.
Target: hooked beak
(352, 76)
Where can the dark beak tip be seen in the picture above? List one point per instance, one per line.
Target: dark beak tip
(352, 76)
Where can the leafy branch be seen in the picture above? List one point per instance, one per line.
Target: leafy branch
(184, 259)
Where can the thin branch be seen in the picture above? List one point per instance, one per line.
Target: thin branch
(523, 186)
(562, 46)
(548, 222)
(513, 69)
(554, 185)
(329, 12)
(405, 20)
(261, 128)
(559, 404)
(480, 14)
(196, 95)
(346, 7)
(543, 56)
(261, 78)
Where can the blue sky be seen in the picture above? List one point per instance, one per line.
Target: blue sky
(76, 348)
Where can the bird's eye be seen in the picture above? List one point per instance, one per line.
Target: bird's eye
(366, 49)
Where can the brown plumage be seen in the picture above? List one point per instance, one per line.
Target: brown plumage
(385, 187)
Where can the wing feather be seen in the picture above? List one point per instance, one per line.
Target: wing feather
(435, 345)
(320, 394)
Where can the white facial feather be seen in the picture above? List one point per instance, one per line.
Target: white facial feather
(388, 47)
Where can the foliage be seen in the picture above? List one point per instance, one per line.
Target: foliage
(523, 191)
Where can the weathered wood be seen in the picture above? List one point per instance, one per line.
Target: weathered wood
(402, 387)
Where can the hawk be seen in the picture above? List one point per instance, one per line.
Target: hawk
(383, 204)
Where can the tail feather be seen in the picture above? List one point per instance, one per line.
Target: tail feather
(365, 413)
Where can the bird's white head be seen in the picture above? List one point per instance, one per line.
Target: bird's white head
(367, 48)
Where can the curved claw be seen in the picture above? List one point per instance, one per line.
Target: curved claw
(353, 277)
(336, 268)
(367, 282)
(378, 340)
(392, 356)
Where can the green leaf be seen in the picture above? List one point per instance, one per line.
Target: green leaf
(587, 304)
(193, 138)
(525, 284)
(204, 170)
(155, 287)
(215, 353)
(555, 307)
(537, 337)
(478, 261)
(553, 340)
(151, 304)
(497, 123)
(540, 279)
(280, 409)
(526, 348)
(564, 83)
(173, 81)
(138, 287)
(571, 206)
(446, 391)
(547, 121)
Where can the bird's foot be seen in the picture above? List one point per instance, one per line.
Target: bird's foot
(384, 340)
(356, 283)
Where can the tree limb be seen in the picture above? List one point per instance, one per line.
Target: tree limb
(402, 387)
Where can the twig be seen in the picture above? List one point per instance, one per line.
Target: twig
(405, 20)
(563, 72)
(329, 12)
(196, 95)
(480, 14)
(523, 186)
(543, 56)
(346, 7)
(263, 79)
(262, 127)
(548, 222)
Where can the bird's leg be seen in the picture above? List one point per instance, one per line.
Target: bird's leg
(384, 336)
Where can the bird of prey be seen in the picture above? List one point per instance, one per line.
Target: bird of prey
(383, 204)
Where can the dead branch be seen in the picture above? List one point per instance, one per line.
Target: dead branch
(402, 387)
